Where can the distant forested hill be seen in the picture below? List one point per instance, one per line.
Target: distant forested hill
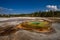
(35, 14)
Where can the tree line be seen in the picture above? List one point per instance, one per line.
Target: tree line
(35, 14)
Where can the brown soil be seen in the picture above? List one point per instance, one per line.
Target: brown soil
(8, 30)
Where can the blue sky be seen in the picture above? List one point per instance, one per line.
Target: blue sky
(26, 6)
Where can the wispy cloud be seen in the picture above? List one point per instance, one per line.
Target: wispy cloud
(10, 9)
(5, 10)
(2, 8)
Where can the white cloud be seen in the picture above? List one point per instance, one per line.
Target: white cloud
(52, 7)
(46, 10)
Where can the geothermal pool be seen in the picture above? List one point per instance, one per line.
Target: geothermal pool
(28, 35)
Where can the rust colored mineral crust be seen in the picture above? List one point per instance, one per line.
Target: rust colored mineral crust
(27, 26)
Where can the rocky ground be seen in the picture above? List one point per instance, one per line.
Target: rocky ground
(28, 35)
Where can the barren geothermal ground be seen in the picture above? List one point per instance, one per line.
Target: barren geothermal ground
(28, 35)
